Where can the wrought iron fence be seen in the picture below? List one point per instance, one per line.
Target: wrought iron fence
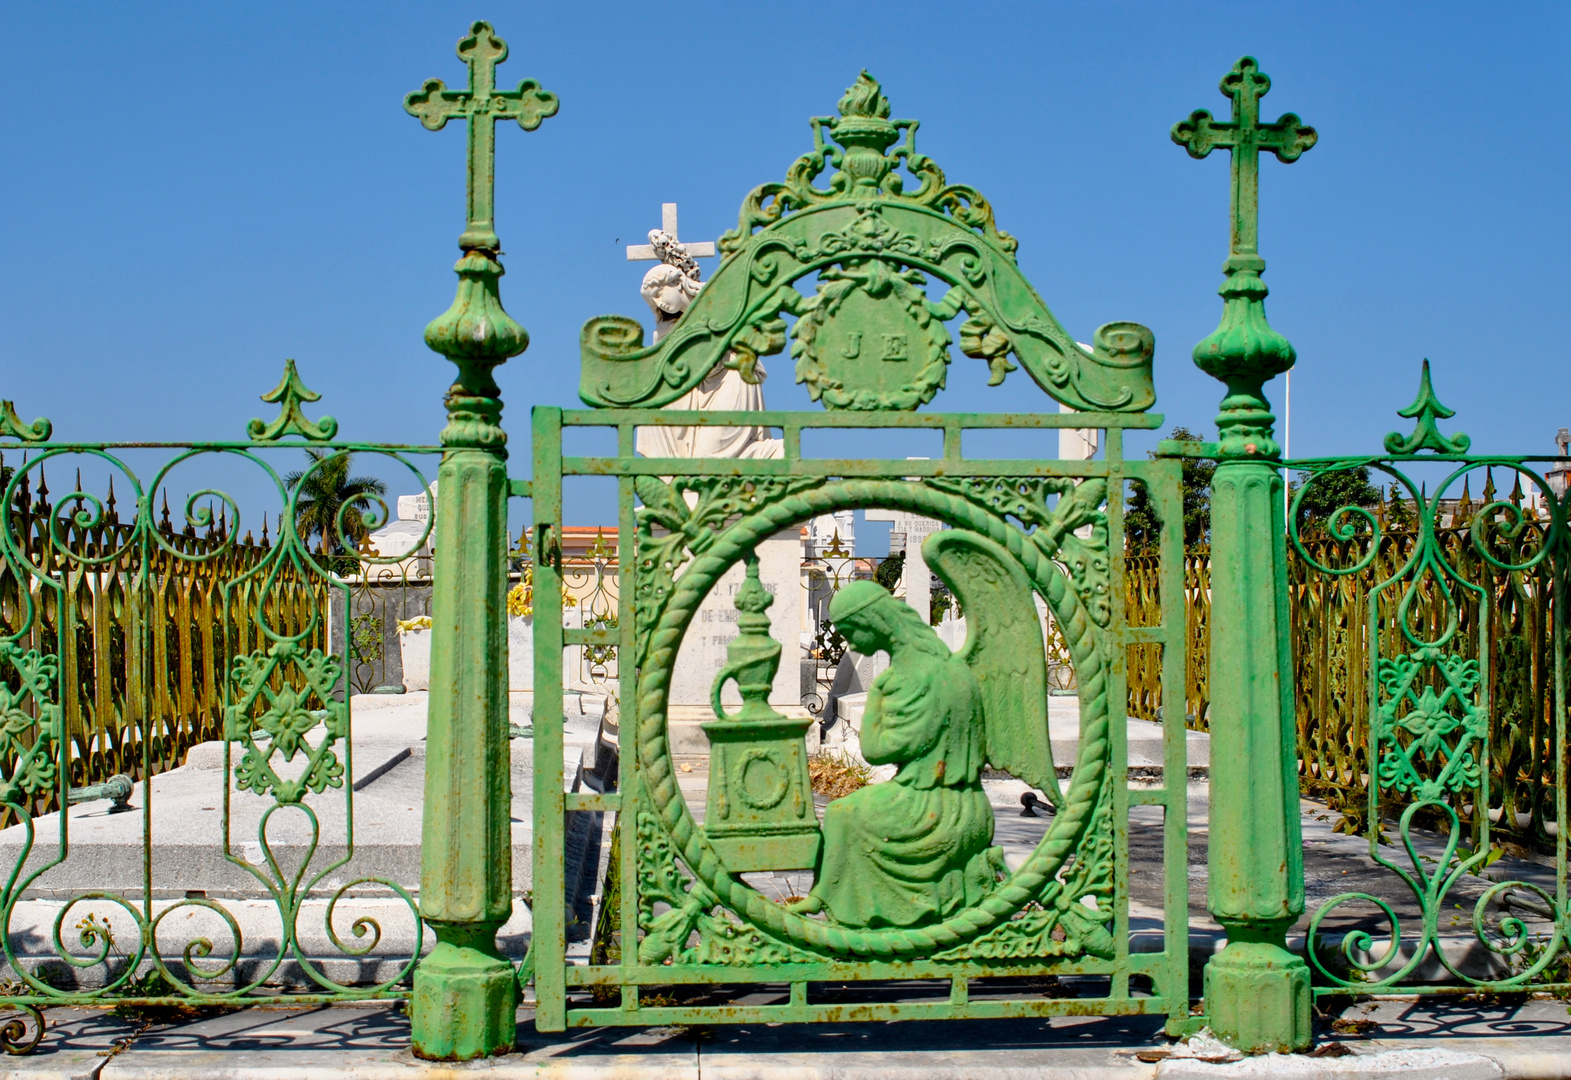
(107, 594)
(825, 573)
(1441, 703)
(1331, 646)
(380, 600)
(1142, 595)
(124, 642)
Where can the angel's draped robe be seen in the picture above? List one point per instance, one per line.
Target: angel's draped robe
(915, 849)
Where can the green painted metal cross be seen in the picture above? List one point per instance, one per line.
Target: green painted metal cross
(1247, 138)
(481, 105)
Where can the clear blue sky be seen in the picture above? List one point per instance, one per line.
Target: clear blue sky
(194, 192)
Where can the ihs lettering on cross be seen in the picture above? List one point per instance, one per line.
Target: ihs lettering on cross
(1247, 138)
(482, 105)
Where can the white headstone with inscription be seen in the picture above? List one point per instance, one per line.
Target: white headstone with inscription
(910, 530)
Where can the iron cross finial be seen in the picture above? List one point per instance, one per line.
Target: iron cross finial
(481, 105)
(1247, 138)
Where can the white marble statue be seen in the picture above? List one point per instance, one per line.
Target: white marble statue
(668, 289)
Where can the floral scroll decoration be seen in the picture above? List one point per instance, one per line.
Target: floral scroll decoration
(867, 165)
(1448, 723)
(263, 678)
(33, 769)
(882, 228)
(688, 531)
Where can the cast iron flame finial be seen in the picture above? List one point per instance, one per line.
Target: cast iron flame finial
(864, 98)
(864, 129)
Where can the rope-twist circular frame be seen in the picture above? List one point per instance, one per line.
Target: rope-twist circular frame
(1062, 838)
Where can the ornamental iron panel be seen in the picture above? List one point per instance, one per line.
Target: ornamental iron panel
(901, 882)
(1462, 748)
(125, 642)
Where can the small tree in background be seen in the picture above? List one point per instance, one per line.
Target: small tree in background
(1141, 526)
(1399, 512)
(890, 569)
(1331, 491)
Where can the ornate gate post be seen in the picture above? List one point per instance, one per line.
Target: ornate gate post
(465, 992)
(1257, 992)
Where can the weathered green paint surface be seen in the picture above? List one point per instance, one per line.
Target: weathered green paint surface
(907, 881)
(465, 993)
(1444, 711)
(277, 704)
(1257, 993)
(760, 808)
(870, 337)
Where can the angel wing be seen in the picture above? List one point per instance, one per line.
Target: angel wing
(1004, 649)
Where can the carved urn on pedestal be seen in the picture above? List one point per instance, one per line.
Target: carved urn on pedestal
(760, 812)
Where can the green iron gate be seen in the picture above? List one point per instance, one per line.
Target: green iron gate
(907, 882)
(910, 908)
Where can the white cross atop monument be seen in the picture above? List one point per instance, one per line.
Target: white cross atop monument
(701, 249)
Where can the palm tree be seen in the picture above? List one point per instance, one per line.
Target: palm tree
(324, 487)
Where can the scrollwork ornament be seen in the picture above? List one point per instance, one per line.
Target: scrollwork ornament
(286, 718)
(28, 736)
(12, 426)
(1511, 940)
(865, 164)
(869, 338)
(1448, 724)
(14, 1038)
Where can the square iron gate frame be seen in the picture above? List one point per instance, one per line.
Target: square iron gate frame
(554, 977)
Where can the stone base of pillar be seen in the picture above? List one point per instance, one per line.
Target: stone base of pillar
(1257, 998)
(465, 1004)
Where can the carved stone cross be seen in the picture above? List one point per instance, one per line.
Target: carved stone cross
(701, 249)
(482, 105)
(1247, 138)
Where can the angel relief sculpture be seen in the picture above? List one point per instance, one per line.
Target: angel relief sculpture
(918, 848)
